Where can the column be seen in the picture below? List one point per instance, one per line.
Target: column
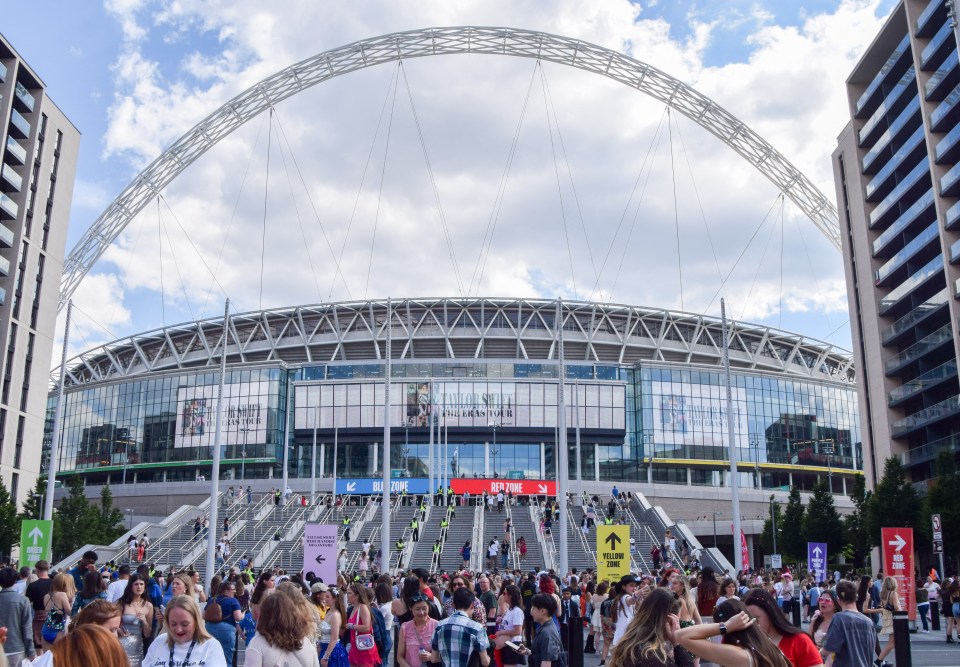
(375, 457)
(486, 459)
(321, 469)
(596, 462)
(689, 481)
(543, 460)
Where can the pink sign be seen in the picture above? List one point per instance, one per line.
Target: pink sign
(320, 551)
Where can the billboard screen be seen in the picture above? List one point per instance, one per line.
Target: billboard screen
(696, 414)
(244, 416)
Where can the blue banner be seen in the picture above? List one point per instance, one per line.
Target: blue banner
(817, 560)
(371, 486)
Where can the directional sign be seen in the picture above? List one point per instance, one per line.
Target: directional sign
(613, 552)
(776, 561)
(518, 487)
(817, 560)
(937, 526)
(36, 542)
(368, 486)
(938, 546)
(320, 551)
(897, 545)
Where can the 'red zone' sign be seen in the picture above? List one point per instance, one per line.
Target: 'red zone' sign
(518, 487)
(897, 545)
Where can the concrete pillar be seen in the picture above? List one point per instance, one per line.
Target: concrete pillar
(543, 460)
(486, 459)
(375, 457)
(596, 462)
(689, 480)
(321, 469)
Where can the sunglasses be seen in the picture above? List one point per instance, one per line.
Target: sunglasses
(419, 598)
(458, 584)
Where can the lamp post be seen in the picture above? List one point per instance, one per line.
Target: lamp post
(243, 453)
(716, 515)
(129, 512)
(755, 443)
(773, 521)
(405, 452)
(646, 440)
(493, 450)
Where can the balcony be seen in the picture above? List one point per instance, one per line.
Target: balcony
(947, 149)
(929, 451)
(938, 47)
(911, 151)
(929, 18)
(19, 126)
(946, 114)
(8, 207)
(929, 379)
(12, 181)
(950, 182)
(4, 266)
(916, 177)
(893, 101)
(3, 296)
(951, 216)
(920, 210)
(923, 346)
(23, 99)
(934, 413)
(18, 152)
(943, 80)
(919, 242)
(955, 252)
(6, 237)
(893, 64)
(907, 120)
(931, 269)
(916, 316)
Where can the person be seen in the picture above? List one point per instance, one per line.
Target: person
(332, 652)
(102, 613)
(744, 644)
(17, 616)
(923, 605)
(266, 584)
(951, 594)
(510, 627)
(649, 640)
(458, 637)
(360, 623)
(728, 591)
(597, 597)
(546, 649)
(281, 637)
(186, 641)
(465, 552)
(224, 630)
(180, 584)
(57, 605)
(137, 618)
(116, 588)
(827, 607)
(479, 611)
(624, 606)
(92, 590)
(36, 592)
(89, 644)
(688, 613)
(708, 590)
(850, 641)
(522, 547)
(786, 593)
(797, 646)
(489, 601)
(416, 634)
(889, 603)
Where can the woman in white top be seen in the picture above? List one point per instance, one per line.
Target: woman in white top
(510, 627)
(186, 641)
(282, 635)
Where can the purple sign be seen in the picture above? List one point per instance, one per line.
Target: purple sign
(817, 560)
(320, 551)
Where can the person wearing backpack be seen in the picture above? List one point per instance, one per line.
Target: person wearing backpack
(57, 603)
(221, 616)
(607, 625)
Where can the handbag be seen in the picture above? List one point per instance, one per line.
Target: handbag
(53, 625)
(365, 642)
(213, 612)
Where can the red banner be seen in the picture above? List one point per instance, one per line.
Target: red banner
(518, 487)
(897, 545)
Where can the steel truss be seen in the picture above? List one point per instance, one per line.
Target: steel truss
(443, 41)
(510, 330)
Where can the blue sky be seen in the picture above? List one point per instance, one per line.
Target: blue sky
(133, 75)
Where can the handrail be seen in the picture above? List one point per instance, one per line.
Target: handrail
(549, 546)
(641, 527)
(477, 553)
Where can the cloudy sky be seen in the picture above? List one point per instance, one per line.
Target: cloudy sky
(453, 175)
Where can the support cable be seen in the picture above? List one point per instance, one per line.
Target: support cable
(654, 141)
(676, 213)
(176, 266)
(756, 274)
(813, 273)
(487, 241)
(556, 171)
(266, 192)
(383, 175)
(363, 177)
(92, 319)
(163, 307)
(196, 250)
(780, 317)
(433, 184)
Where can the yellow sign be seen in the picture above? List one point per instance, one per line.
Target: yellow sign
(613, 552)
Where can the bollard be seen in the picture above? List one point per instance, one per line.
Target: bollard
(934, 615)
(901, 639)
(796, 607)
(575, 642)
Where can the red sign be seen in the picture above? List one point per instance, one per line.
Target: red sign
(897, 545)
(518, 487)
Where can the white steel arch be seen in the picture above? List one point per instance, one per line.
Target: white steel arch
(443, 41)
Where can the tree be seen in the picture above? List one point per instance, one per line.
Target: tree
(793, 540)
(33, 505)
(854, 524)
(766, 537)
(822, 522)
(110, 518)
(9, 525)
(944, 499)
(75, 521)
(895, 503)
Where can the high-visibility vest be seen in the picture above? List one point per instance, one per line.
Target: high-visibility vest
(436, 548)
(414, 524)
(400, 545)
(608, 521)
(444, 523)
(346, 521)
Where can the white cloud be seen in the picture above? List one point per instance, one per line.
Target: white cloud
(180, 61)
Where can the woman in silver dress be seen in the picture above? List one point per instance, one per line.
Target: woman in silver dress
(136, 618)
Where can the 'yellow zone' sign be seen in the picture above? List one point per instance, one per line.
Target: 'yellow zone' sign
(613, 552)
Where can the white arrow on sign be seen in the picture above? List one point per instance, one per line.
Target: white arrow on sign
(899, 543)
(35, 534)
(542, 488)
(351, 486)
(817, 551)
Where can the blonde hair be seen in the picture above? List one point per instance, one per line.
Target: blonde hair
(646, 635)
(189, 605)
(63, 583)
(283, 621)
(97, 612)
(187, 581)
(889, 586)
(89, 645)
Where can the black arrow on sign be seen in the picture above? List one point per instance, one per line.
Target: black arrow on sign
(613, 539)
(321, 560)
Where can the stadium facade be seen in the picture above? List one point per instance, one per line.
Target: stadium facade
(646, 384)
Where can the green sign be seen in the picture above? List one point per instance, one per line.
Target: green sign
(36, 542)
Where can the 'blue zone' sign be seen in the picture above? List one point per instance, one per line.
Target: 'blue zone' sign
(370, 486)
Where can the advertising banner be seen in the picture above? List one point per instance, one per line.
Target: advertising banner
(817, 560)
(36, 542)
(244, 416)
(897, 545)
(320, 551)
(696, 414)
(371, 486)
(519, 487)
(613, 552)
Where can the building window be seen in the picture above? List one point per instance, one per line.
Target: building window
(18, 447)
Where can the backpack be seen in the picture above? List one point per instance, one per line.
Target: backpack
(606, 612)
(380, 635)
(54, 624)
